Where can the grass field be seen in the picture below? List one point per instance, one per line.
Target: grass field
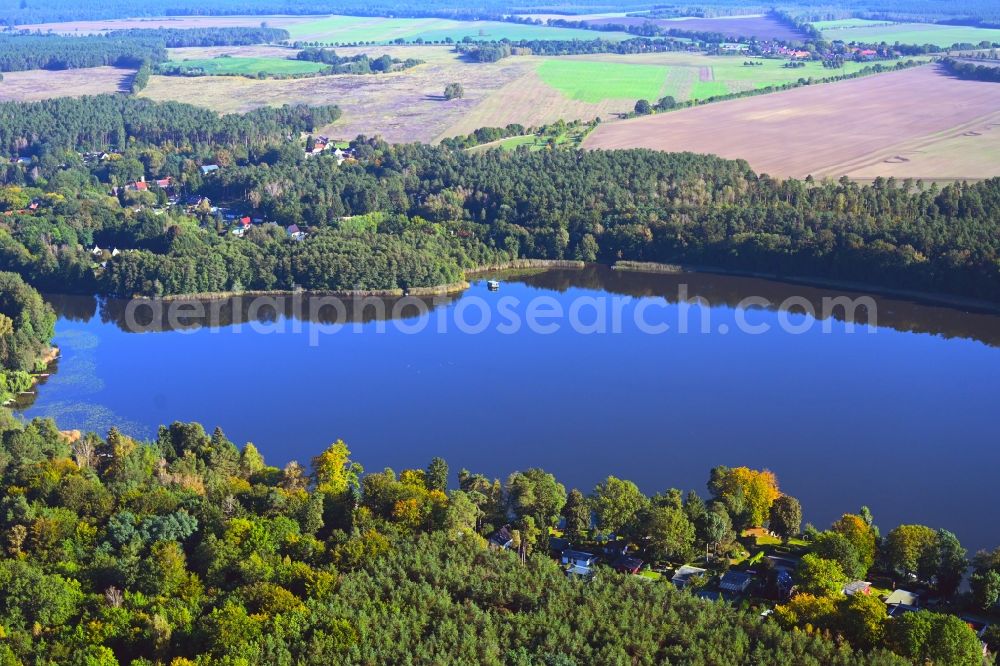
(684, 76)
(914, 123)
(39, 84)
(762, 27)
(249, 66)
(354, 29)
(862, 30)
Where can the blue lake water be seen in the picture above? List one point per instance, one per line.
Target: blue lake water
(901, 416)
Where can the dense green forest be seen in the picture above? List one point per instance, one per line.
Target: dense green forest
(187, 547)
(417, 215)
(120, 48)
(27, 325)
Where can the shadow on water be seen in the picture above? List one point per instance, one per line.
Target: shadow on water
(717, 290)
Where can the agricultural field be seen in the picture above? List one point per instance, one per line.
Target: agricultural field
(229, 65)
(684, 76)
(36, 84)
(861, 30)
(762, 27)
(400, 106)
(357, 29)
(914, 123)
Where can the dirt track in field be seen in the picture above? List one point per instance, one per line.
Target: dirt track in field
(915, 123)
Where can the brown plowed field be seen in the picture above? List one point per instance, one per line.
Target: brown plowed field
(915, 123)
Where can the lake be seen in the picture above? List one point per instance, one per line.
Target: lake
(897, 410)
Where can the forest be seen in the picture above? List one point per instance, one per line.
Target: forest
(442, 210)
(190, 548)
(120, 48)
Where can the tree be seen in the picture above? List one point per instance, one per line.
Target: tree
(437, 475)
(785, 517)
(642, 107)
(908, 633)
(747, 493)
(671, 534)
(536, 493)
(985, 588)
(576, 513)
(666, 103)
(953, 642)
(616, 503)
(819, 576)
(454, 91)
(906, 544)
(861, 535)
(834, 546)
(864, 618)
(947, 563)
(333, 472)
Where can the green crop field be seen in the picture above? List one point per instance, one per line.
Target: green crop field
(860, 30)
(354, 29)
(596, 81)
(692, 77)
(248, 66)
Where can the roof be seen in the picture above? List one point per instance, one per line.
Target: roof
(685, 572)
(579, 570)
(578, 555)
(857, 586)
(736, 581)
(209, 168)
(902, 597)
(628, 563)
(293, 229)
(559, 544)
(501, 537)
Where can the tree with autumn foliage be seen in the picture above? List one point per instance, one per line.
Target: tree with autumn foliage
(747, 493)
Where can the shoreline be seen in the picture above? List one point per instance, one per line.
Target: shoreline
(925, 297)
(649, 267)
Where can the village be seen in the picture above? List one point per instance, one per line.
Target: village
(764, 575)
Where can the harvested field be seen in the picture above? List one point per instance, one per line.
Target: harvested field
(762, 27)
(39, 84)
(856, 128)
(401, 106)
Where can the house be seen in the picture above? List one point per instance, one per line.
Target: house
(501, 539)
(615, 548)
(683, 575)
(857, 587)
(626, 564)
(97, 251)
(164, 183)
(209, 168)
(736, 582)
(115, 252)
(558, 545)
(579, 571)
(578, 557)
(900, 609)
(902, 598)
(295, 233)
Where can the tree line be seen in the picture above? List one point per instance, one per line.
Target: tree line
(964, 69)
(27, 325)
(119, 48)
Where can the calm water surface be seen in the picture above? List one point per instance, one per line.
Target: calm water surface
(903, 419)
